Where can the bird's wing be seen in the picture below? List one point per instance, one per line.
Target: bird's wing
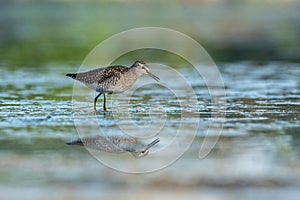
(105, 144)
(101, 143)
(111, 74)
(124, 143)
(101, 74)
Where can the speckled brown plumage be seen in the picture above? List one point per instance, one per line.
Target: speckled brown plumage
(100, 75)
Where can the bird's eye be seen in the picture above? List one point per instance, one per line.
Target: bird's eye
(143, 152)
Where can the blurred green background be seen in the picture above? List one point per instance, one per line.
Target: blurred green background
(35, 32)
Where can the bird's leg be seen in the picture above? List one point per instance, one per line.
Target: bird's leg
(104, 102)
(95, 100)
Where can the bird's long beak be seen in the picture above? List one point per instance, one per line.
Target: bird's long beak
(153, 76)
(152, 143)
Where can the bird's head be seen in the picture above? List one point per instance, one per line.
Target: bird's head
(144, 151)
(142, 68)
(140, 154)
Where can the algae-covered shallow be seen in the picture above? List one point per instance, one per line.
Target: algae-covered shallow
(258, 150)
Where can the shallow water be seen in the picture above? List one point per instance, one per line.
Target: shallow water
(258, 150)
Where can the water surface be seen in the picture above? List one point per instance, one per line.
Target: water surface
(258, 150)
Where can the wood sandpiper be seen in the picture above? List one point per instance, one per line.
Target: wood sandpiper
(115, 144)
(112, 79)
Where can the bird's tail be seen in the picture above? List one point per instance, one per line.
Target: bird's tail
(72, 75)
(75, 142)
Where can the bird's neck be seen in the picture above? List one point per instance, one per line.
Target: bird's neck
(135, 72)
